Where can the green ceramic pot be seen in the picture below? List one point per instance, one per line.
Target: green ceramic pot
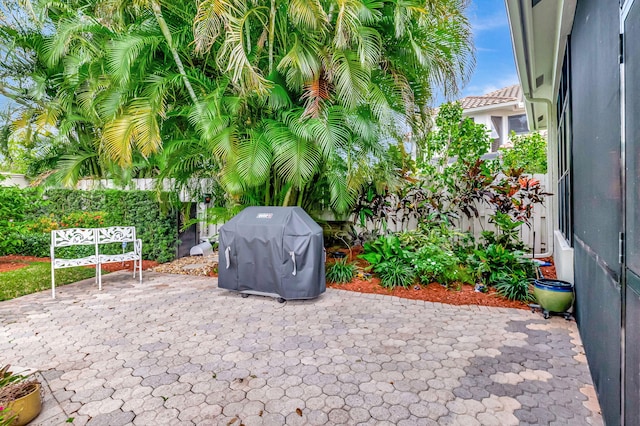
(553, 295)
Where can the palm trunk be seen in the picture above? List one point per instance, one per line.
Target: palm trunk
(157, 11)
(267, 197)
(272, 30)
(287, 197)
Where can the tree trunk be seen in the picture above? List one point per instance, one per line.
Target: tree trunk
(157, 11)
(272, 30)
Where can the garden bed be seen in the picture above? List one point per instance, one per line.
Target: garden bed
(14, 262)
(434, 292)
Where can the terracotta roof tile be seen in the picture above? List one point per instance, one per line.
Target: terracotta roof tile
(504, 95)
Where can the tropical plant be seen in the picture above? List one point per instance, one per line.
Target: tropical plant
(529, 153)
(385, 249)
(283, 102)
(514, 286)
(507, 234)
(395, 274)
(493, 263)
(340, 271)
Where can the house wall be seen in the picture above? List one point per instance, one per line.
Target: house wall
(11, 179)
(596, 191)
(483, 116)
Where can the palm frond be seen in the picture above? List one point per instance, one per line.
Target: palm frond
(254, 158)
(124, 52)
(300, 64)
(350, 78)
(347, 23)
(316, 93)
(331, 131)
(296, 160)
(308, 15)
(136, 127)
(233, 53)
(209, 23)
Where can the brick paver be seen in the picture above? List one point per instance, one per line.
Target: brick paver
(177, 350)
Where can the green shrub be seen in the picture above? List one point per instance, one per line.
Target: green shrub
(26, 220)
(514, 286)
(35, 244)
(508, 271)
(10, 238)
(432, 263)
(529, 152)
(384, 249)
(395, 274)
(340, 272)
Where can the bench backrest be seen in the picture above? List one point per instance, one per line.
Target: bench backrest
(73, 237)
(116, 234)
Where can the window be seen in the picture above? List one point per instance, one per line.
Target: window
(518, 124)
(564, 153)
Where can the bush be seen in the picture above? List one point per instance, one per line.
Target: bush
(395, 274)
(432, 263)
(529, 152)
(384, 249)
(341, 272)
(508, 271)
(33, 220)
(514, 286)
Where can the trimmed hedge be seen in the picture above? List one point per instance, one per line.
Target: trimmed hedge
(155, 222)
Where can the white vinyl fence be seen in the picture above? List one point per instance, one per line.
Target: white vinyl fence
(538, 237)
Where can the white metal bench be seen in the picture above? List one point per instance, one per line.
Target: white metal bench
(95, 237)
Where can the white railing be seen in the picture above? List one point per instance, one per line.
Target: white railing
(191, 192)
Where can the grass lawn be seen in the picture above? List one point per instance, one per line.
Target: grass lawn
(37, 277)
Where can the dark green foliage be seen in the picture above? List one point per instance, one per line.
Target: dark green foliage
(395, 274)
(507, 270)
(514, 287)
(340, 271)
(529, 153)
(384, 249)
(155, 222)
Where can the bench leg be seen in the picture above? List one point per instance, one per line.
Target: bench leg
(53, 282)
(99, 275)
(140, 271)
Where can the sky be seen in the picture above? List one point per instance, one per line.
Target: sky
(495, 67)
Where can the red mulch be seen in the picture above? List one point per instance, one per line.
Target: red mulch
(433, 292)
(128, 266)
(12, 262)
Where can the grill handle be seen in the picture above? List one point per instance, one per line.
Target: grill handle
(293, 258)
(227, 252)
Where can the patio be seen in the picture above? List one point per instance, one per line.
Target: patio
(177, 350)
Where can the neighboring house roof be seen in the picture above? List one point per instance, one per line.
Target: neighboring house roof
(502, 96)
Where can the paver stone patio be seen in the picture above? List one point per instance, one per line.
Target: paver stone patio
(177, 350)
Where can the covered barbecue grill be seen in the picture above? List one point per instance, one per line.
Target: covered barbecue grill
(272, 251)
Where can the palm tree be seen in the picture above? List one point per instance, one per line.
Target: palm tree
(284, 101)
(332, 73)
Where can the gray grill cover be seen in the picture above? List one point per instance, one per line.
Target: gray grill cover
(273, 251)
